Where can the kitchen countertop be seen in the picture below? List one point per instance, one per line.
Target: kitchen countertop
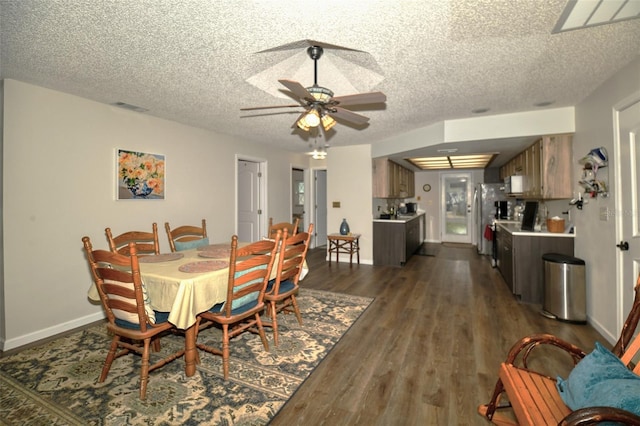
(401, 218)
(513, 227)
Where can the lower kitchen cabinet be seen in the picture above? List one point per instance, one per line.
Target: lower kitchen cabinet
(520, 261)
(394, 242)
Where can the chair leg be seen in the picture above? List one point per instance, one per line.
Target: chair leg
(144, 369)
(156, 344)
(492, 405)
(225, 351)
(263, 336)
(296, 310)
(110, 357)
(274, 320)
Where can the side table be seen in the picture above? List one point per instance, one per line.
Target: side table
(348, 244)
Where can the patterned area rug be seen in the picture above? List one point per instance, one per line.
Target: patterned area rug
(56, 384)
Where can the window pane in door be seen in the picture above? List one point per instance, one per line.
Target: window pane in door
(455, 190)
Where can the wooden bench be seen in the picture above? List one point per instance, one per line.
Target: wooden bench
(533, 397)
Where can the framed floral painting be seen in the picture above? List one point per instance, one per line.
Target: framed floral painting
(139, 175)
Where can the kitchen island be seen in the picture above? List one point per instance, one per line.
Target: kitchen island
(519, 258)
(396, 240)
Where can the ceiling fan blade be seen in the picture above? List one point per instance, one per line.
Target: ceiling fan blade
(270, 107)
(346, 115)
(360, 99)
(298, 89)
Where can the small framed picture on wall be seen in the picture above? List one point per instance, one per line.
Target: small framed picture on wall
(139, 175)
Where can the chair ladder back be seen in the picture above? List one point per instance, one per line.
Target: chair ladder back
(291, 228)
(293, 258)
(185, 233)
(117, 278)
(249, 269)
(122, 292)
(630, 324)
(146, 242)
(631, 352)
(293, 252)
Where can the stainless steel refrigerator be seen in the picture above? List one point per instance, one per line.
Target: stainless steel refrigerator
(484, 202)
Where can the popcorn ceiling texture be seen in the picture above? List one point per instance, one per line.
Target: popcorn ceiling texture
(197, 61)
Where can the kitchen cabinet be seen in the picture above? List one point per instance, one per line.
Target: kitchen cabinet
(395, 241)
(532, 170)
(505, 256)
(391, 180)
(555, 166)
(546, 166)
(520, 260)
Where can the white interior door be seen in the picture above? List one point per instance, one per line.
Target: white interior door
(627, 198)
(456, 224)
(249, 200)
(320, 211)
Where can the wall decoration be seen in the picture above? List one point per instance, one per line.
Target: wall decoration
(139, 175)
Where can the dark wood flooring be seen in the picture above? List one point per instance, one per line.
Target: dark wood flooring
(427, 350)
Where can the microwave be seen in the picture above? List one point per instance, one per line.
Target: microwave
(514, 184)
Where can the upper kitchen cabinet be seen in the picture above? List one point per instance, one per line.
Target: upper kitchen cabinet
(551, 169)
(391, 180)
(546, 166)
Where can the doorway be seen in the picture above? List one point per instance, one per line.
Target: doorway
(320, 207)
(298, 197)
(456, 207)
(627, 147)
(250, 197)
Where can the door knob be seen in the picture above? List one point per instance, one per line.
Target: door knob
(623, 246)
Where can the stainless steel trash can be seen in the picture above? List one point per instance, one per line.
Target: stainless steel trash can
(565, 295)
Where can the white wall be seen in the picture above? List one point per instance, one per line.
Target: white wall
(59, 185)
(596, 239)
(349, 182)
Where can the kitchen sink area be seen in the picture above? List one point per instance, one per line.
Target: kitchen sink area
(397, 237)
(398, 217)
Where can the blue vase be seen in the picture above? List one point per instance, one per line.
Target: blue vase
(344, 227)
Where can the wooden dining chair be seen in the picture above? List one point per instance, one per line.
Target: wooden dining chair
(187, 236)
(249, 270)
(280, 295)
(146, 242)
(292, 228)
(129, 316)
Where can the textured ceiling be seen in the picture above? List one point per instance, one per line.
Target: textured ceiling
(197, 61)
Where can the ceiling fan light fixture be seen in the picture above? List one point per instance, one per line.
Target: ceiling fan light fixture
(327, 122)
(310, 119)
(319, 154)
(321, 94)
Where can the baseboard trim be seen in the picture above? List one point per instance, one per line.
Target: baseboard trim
(27, 339)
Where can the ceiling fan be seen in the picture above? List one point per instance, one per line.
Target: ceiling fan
(321, 107)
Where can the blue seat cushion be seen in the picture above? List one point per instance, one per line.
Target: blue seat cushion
(285, 286)
(160, 318)
(601, 379)
(187, 245)
(218, 307)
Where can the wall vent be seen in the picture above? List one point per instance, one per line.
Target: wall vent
(129, 107)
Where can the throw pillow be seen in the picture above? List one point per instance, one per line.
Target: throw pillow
(601, 379)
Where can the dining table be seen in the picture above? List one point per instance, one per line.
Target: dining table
(186, 283)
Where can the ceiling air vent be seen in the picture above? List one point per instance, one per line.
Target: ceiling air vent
(129, 107)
